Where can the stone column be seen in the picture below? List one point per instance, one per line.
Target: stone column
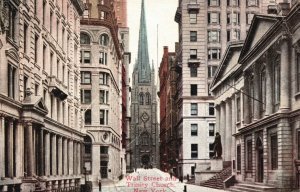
(233, 127)
(54, 108)
(2, 146)
(228, 133)
(30, 151)
(59, 156)
(19, 152)
(269, 96)
(71, 157)
(75, 158)
(217, 118)
(256, 87)
(246, 109)
(40, 164)
(79, 158)
(65, 156)
(222, 123)
(10, 148)
(54, 155)
(284, 75)
(47, 153)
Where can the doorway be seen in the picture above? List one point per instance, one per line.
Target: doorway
(260, 160)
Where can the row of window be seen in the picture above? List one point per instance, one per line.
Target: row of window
(212, 53)
(85, 57)
(86, 78)
(214, 18)
(86, 40)
(86, 96)
(249, 3)
(211, 129)
(194, 109)
(104, 114)
(145, 98)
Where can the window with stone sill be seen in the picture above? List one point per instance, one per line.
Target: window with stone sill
(253, 3)
(193, 1)
(214, 53)
(233, 3)
(249, 18)
(194, 109)
(194, 151)
(213, 18)
(86, 77)
(36, 48)
(193, 36)
(86, 96)
(194, 129)
(211, 69)
(193, 17)
(211, 129)
(233, 18)
(103, 149)
(103, 58)
(88, 117)
(103, 77)
(213, 2)
(274, 151)
(213, 36)
(12, 22)
(193, 54)
(102, 117)
(193, 71)
(211, 109)
(85, 57)
(211, 150)
(25, 36)
(104, 95)
(194, 89)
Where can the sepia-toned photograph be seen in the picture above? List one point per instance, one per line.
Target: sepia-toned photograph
(149, 95)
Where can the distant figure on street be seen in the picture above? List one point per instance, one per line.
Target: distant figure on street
(171, 173)
(217, 147)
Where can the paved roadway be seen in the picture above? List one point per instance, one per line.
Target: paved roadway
(151, 180)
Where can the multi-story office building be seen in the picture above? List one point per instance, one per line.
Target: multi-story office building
(144, 135)
(101, 90)
(40, 130)
(205, 28)
(167, 89)
(257, 87)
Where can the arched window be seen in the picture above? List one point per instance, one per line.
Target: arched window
(85, 38)
(104, 39)
(141, 98)
(145, 139)
(148, 99)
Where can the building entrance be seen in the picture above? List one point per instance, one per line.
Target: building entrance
(260, 161)
(145, 160)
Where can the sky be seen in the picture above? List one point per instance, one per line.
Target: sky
(158, 13)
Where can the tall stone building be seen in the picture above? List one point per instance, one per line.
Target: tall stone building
(144, 135)
(205, 28)
(101, 91)
(40, 122)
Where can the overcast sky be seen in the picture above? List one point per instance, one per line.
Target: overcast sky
(158, 12)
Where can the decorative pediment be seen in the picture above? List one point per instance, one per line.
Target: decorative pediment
(12, 53)
(260, 26)
(35, 103)
(229, 61)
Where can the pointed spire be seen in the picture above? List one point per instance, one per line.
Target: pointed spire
(143, 64)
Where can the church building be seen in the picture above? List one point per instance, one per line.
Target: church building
(144, 134)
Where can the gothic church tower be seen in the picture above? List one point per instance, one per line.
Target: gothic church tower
(144, 133)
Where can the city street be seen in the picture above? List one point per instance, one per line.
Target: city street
(151, 180)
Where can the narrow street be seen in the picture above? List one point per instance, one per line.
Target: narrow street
(151, 180)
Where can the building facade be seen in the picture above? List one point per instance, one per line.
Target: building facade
(167, 78)
(205, 28)
(101, 91)
(144, 131)
(256, 88)
(40, 130)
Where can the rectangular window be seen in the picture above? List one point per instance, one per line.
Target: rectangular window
(194, 151)
(36, 43)
(214, 36)
(86, 57)
(104, 78)
(102, 118)
(88, 117)
(193, 36)
(193, 89)
(57, 29)
(103, 58)
(51, 63)
(25, 37)
(63, 38)
(25, 84)
(194, 129)
(228, 35)
(236, 35)
(103, 149)
(211, 129)
(44, 57)
(86, 77)
(86, 96)
(249, 18)
(44, 12)
(36, 89)
(238, 158)
(193, 17)
(213, 2)
(193, 53)
(213, 18)
(249, 154)
(238, 108)
(12, 16)
(193, 71)
(194, 109)
(211, 109)
(35, 6)
(211, 69)
(252, 3)
(51, 22)
(102, 96)
(274, 151)
(211, 150)
(233, 18)
(214, 53)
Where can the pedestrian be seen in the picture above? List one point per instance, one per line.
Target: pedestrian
(171, 173)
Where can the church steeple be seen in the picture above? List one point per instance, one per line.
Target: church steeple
(143, 65)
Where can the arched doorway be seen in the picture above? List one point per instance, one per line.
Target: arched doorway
(260, 160)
